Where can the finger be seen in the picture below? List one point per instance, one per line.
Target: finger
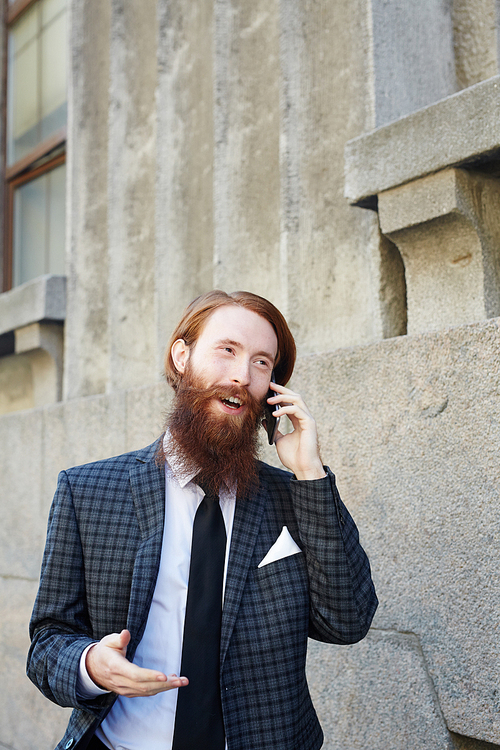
(146, 689)
(118, 641)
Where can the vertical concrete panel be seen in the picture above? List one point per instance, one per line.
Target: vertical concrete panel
(413, 55)
(131, 220)
(21, 472)
(330, 254)
(78, 432)
(475, 37)
(86, 335)
(246, 177)
(184, 204)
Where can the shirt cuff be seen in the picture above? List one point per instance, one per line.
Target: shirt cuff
(85, 686)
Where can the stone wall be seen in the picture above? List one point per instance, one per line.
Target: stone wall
(207, 144)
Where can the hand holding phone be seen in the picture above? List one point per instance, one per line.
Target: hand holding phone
(272, 422)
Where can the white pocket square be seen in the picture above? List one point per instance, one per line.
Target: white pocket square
(284, 546)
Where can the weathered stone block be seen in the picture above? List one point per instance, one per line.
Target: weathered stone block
(38, 300)
(447, 229)
(22, 527)
(86, 334)
(376, 694)
(411, 427)
(413, 59)
(27, 719)
(459, 129)
(79, 431)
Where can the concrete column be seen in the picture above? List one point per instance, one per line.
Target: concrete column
(413, 56)
(184, 181)
(44, 343)
(333, 264)
(447, 228)
(131, 219)
(475, 36)
(246, 169)
(86, 332)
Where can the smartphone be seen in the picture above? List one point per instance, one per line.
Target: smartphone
(272, 423)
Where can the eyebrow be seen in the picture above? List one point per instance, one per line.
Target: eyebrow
(224, 342)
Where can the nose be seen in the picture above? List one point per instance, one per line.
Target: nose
(240, 373)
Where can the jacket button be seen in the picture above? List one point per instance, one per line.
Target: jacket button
(69, 743)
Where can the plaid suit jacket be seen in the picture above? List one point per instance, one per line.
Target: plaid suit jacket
(99, 572)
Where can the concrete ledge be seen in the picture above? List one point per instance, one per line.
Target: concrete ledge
(43, 299)
(462, 128)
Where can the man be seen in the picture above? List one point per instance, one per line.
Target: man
(118, 617)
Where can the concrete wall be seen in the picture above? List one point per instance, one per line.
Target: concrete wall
(206, 148)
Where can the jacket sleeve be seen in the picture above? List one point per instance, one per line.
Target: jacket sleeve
(60, 629)
(342, 594)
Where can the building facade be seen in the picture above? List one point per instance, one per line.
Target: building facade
(342, 158)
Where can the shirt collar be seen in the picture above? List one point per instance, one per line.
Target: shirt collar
(180, 473)
(174, 462)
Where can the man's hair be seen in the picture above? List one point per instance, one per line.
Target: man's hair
(197, 313)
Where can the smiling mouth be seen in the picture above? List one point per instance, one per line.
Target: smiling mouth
(233, 402)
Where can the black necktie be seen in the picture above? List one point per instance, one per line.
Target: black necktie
(198, 718)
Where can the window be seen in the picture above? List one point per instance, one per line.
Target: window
(36, 106)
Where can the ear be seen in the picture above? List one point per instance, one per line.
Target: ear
(180, 355)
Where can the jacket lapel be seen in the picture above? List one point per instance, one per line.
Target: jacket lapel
(147, 482)
(247, 521)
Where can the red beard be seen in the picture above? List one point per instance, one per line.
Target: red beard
(221, 448)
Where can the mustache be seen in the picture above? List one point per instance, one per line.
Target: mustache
(202, 395)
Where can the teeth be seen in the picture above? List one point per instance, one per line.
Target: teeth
(233, 400)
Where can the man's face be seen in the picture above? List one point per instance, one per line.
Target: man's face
(236, 347)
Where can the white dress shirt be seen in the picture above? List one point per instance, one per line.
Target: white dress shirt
(136, 723)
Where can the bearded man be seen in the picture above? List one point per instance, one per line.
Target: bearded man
(192, 558)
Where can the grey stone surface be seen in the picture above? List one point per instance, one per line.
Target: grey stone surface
(27, 719)
(23, 519)
(413, 56)
(447, 229)
(86, 334)
(146, 410)
(184, 174)
(16, 383)
(458, 129)
(44, 343)
(377, 693)
(43, 298)
(475, 35)
(411, 427)
(331, 255)
(246, 115)
(131, 195)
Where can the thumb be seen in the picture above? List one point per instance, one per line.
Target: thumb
(118, 641)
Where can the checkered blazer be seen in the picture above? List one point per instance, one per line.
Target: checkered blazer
(99, 571)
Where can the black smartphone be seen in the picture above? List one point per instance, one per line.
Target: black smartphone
(272, 422)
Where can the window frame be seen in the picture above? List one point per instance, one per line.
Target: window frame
(47, 155)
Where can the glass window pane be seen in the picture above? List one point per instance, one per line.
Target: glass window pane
(53, 48)
(40, 226)
(24, 30)
(23, 104)
(50, 9)
(30, 213)
(57, 221)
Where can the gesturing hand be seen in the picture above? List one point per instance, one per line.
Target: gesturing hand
(109, 668)
(298, 450)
